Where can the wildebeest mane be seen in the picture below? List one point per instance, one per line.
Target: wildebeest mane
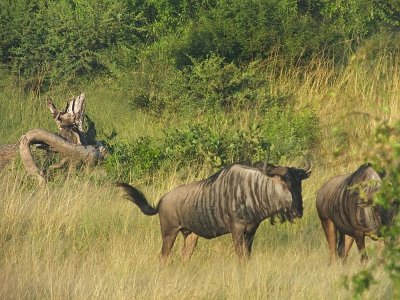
(213, 178)
(210, 180)
(280, 216)
(256, 166)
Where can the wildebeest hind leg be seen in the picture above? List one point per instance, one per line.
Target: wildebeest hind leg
(330, 234)
(189, 245)
(239, 242)
(168, 241)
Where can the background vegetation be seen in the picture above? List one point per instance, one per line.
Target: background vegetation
(177, 90)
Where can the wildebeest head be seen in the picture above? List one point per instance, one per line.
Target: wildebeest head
(291, 178)
(362, 186)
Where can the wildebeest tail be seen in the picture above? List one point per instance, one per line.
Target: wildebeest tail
(138, 198)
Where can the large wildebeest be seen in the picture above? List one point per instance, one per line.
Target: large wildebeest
(234, 200)
(345, 206)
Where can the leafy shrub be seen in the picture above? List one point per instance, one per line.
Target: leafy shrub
(201, 144)
(134, 160)
(47, 41)
(206, 144)
(156, 85)
(196, 144)
(211, 83)
(389, 11)
(241, 31)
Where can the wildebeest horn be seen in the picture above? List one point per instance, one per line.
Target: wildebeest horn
(265, 167)
(308, 165)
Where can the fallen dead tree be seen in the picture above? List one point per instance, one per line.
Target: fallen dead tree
(71, 153)
(74, 143)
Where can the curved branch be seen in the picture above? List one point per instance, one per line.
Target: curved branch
(88, 154)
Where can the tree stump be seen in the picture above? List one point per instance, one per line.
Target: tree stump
(70, 152)
(73, 143)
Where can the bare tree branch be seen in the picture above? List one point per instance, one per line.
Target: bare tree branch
(72, 143)
(88, 154)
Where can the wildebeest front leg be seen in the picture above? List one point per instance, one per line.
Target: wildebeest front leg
(344, 245)
(189, 245)
(249, 238)
(330, 234)
(360, 241)
(243, 237)
(238, 244)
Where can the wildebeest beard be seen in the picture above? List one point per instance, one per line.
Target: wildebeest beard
(282, 216)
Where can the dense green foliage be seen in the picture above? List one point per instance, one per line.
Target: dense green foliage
(207, 84)
(205, 143)
(203, 60)
(47, 41)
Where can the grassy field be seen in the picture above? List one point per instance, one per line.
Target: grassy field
(77, 238)
(81, 240)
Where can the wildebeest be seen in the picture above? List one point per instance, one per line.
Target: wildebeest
(234, 200)
(345, 206)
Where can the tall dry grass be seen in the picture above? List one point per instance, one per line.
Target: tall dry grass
(81, 240)
(78, 239)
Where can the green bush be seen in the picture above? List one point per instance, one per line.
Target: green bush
(241, 31)
(49, 41)
(205, 144)
(201, 144)
(389, 11)
(133, 160)
(207, 84)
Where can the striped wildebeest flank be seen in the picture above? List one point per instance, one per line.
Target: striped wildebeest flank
(234, 200)
(345, 206)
